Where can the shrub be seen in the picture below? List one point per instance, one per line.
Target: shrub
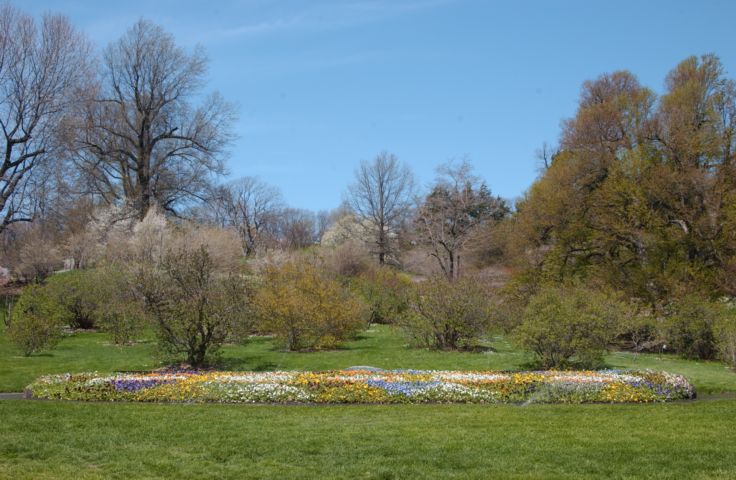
(36, 256)
(148, 241)
(35, 321)
(75, 294)
(386, 292)
(119, 311)
(699, 328)
(640, 332)
(102, 297)
(194, 307)
(6, 306)
(348, 259)
(305, 309)
(447, 315)
(509, 303)
(562, 326)
(726, 338)
(689, 327)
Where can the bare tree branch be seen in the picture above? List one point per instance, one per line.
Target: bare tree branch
(381, 198)
(457, 204)
(140, 140)
(42, 70)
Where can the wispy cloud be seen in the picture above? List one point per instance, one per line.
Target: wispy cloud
(264, 27)
(321, 17)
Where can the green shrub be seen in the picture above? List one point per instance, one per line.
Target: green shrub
(75, 293)
(640, 332)
(35, 323)
(306, 309)
(385, 291)
(194, 307)
(119, 311)
(565, 326)
(447, 315)
(726, 337)
(689, 327)
(6, 306)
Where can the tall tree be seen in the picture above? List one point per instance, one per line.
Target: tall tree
(253, 208)
(381, 198)
(141, 139)
(456, 206)
(641, 195)
(42, 70)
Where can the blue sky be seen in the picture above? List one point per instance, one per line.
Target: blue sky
(322, 85)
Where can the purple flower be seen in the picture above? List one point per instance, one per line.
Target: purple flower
(135, 384)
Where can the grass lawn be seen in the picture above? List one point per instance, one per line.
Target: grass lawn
(74, 440)
(381, 346)
(43, 439)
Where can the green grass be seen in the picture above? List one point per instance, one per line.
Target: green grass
(41, 439)
(83, 352)
(381, 346)
(707, 377)
(73, 440)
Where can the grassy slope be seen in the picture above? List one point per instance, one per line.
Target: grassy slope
(74, 440)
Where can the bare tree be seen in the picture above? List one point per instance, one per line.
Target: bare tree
(456, 205)
(297, 228)
(324, 219)
(544, 156)
(141, 140)
(42, 68)
(380, 198)
(252, 207)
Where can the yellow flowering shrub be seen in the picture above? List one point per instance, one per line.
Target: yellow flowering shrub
(305, 309)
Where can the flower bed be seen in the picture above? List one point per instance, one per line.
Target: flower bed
(363, 386)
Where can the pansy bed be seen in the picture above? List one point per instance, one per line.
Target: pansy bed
(363, 386)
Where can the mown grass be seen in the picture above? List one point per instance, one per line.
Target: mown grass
(707, 376)
(381, 346)
(75, 440)
(82, 352)
(43, 439)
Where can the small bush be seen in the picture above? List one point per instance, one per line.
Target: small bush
(305, 309)
(119, 311)
(386, 292)
(35, 323)
(6, 306)
(640, 332)
(348, 259)
(700, 328)
(194, 307)
(75, 294)
(36, 256)
(447, 315)
(726, 339)
(564, 326)
(689, 327)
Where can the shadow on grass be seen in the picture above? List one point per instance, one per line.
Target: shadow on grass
(245, 363)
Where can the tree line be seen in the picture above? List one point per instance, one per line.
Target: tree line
(640, 194)
(626, 237)
(114, 135)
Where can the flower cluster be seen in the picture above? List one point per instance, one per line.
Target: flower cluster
(364, 386)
